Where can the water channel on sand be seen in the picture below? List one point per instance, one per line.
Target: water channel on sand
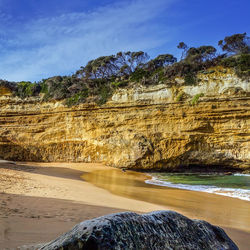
(230, 213)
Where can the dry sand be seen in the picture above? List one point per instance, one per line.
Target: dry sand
(39, 201)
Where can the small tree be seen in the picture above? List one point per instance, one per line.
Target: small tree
(236, 44)
(184, 47)
(25, 89)
(102, 67)
(106, 67)
(129, 61)
(161, 61)
(200, 54)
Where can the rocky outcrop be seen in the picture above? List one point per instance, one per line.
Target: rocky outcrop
(154, 127)
(157, 230)
(5, 91)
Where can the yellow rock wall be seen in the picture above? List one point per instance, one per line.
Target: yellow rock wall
(132, 133)
(5, 91)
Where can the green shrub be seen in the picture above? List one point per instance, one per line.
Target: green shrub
(44, 87)
(157, 76)
(25, 89)
(190, 78)
(138, 75)
(103, 94)
(205, 72)
(161, 75)
(119, 84)
(229, 62)
(195, 99)
(77, 98)
(243, 65)
(45, 90)
(240, 63)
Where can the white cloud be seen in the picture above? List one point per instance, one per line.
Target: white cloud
(60, 45)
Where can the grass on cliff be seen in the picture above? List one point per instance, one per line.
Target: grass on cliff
(196, 98)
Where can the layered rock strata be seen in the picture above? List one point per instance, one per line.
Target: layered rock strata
(139, 128)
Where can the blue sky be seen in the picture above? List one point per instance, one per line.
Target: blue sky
(43, 38)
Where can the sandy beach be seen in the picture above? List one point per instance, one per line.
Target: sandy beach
(40, 201)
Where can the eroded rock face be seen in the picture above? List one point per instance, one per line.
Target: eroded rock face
(157, 230)
(140, 128)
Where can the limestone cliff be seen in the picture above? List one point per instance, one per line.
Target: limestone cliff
(140, 127)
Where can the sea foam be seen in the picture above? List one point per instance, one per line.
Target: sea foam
(237, 174)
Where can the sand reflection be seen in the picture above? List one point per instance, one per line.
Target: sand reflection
(219, 210)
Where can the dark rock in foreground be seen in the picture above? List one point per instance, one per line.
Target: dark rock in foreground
(157, 230)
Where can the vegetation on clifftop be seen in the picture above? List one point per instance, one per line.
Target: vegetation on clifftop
(97, 80)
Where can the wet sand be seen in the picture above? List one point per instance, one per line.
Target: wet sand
(39, 201)
(216, 209)
(28, 220)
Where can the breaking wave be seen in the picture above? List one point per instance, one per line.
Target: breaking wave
(243, 194)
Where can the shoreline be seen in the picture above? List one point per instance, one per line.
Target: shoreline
(194, 204)
(237, 193)
(40, 201)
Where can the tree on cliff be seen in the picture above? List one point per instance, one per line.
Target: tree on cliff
(96, 81)
(104, 67)
(161, 61)
(236, 44)
(129, 61)
(184, 47)
(200, 54)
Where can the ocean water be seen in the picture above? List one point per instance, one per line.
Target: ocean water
(235, 185)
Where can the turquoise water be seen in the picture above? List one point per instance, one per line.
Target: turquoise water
(236, 185)
(219, 180)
